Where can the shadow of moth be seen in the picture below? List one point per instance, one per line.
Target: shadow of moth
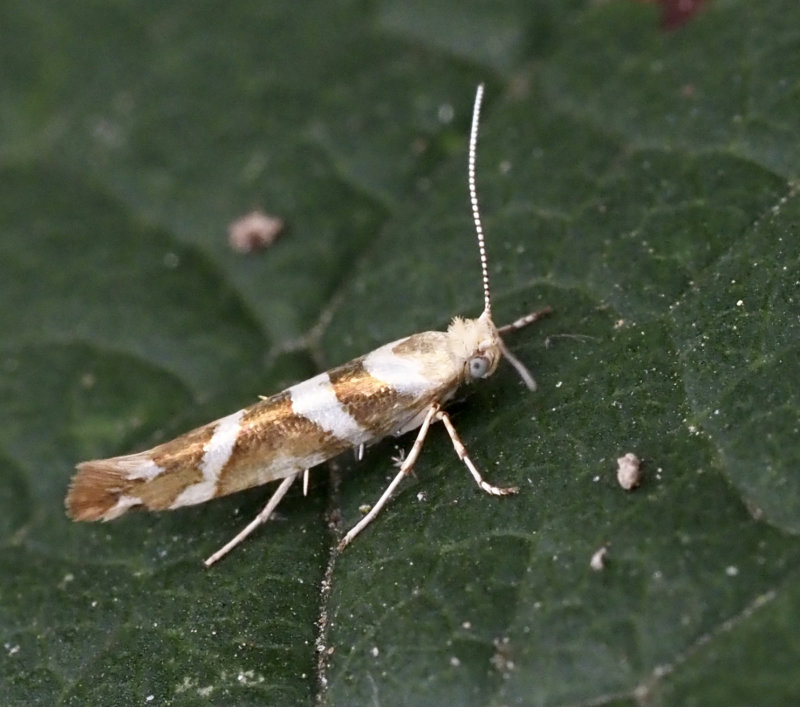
(398, 387)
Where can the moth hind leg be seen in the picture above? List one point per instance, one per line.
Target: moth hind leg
(260, 519)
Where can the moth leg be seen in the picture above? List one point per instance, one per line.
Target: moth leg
(524, 321)
(399, 458)
(461, 450)
(261, 518)
(405, 467)
(524, 373)
(305, 483)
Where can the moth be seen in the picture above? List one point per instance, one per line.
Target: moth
(399, 387)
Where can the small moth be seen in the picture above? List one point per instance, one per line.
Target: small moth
(396, 388)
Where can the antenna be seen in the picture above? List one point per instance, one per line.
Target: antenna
(473, 198)
(527, 378)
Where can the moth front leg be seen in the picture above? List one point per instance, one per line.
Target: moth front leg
(525, 321)
(461, 450)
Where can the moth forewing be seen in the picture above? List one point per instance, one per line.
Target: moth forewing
(386, 392)
(359, 402)
(394, 389)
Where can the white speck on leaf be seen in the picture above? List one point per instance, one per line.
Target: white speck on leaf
(629, 474)
(598, 561)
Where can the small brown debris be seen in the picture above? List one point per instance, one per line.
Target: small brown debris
(254, 231)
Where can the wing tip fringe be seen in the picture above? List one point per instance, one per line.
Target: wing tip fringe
(95, 490)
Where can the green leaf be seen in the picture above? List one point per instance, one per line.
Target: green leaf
(642, 183)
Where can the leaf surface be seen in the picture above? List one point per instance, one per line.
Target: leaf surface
(642, 183)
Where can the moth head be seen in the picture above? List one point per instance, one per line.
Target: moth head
(477, 346)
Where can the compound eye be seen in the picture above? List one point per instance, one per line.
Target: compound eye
(478, 366)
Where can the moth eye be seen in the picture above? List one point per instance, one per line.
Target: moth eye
(478, 366)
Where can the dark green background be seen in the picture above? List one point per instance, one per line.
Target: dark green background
(640, 182)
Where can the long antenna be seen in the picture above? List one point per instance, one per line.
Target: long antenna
(527, 378)
(473, 197)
